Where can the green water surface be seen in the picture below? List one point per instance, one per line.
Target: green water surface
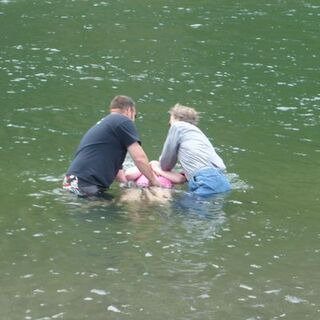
(252, 69)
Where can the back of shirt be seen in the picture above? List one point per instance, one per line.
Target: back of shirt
(102, 150)
(187, 144)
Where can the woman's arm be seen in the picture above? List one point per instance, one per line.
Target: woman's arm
(174, 177)
(169, 154)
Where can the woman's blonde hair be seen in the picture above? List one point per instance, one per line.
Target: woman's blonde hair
(183, 113)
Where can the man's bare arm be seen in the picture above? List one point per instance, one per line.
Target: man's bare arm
(141, 161)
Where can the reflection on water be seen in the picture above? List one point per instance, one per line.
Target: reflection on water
(202, 207)
(185, 255)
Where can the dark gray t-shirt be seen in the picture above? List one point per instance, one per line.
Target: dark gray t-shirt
(102, 150)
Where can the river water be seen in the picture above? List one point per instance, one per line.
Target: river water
(252, 69)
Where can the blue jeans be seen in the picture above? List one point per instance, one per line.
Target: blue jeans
(209, 181)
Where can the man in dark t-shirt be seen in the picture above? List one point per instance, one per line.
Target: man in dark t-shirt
(102, 150)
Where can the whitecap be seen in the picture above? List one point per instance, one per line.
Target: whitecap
(113, 269)
(15, 126)
(243, 286)
(235, 202)
(62, 290)
(196, 25)
(293, 299)
(37, 235)
(286, 108)
(92, 78)
(38, 291)
(99, 292)
(18, 79)
(58, 315)
(237, 183)
(113, 309)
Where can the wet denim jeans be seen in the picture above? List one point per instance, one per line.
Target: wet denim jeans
(209, 181)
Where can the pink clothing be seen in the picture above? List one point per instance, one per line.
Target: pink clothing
(142, 182)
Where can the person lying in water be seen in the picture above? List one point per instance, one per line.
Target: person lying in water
(142, 192)
(166, 179)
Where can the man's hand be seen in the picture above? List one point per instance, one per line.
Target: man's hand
(155, 165)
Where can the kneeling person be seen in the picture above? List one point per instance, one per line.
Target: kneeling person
(102, 150)
(187, 144)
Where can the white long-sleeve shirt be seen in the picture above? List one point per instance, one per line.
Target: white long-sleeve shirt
(187, 144)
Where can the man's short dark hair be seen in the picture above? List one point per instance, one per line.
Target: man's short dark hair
(122, 103)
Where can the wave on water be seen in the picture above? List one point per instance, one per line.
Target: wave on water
(237, 183)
